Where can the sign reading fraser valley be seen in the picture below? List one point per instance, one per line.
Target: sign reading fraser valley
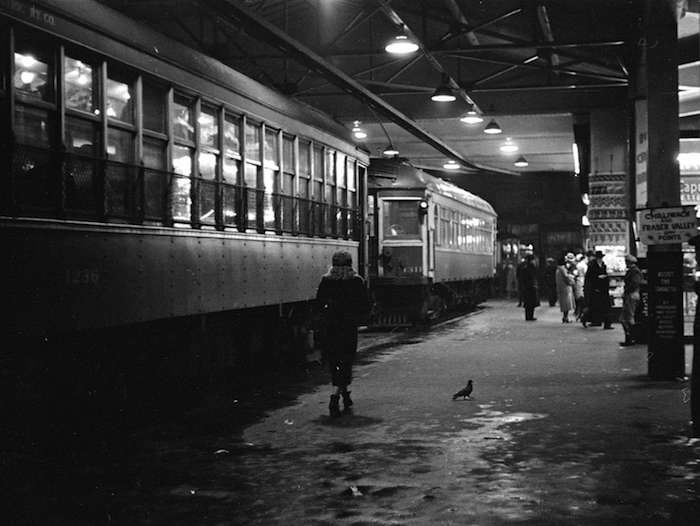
(663, 226)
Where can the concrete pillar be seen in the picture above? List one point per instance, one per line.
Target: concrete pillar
(666, 358)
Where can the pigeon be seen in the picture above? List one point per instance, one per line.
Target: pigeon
(464, 393)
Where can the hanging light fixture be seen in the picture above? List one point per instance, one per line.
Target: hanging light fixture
(492, 128)
(521, 162)
(471, 116)
(444, 92)
(451, 165)
(390, 151)
(508, 147)
(358, 132)
(401, 45)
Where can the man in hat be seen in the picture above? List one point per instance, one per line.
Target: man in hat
(630, 298)
(599, 297)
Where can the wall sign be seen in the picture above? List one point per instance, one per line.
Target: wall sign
(641, 149)
(664, 226)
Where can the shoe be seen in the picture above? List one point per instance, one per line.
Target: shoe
(608, 327)
(595, 324)
(347, 402)
(627, 343)
(334, 406)
(530, 319)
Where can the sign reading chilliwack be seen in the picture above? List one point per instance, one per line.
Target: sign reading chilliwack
(664, 226)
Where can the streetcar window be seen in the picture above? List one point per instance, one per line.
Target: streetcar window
(232, 130)
(251, 182)
(120, 101)
(272, 156)
(82, 136)
(289, 173)
(252, 141)
(78, 85)
(153, 154)
(330, 167)
(207, 165)
(182, 166)
(153, 107)
(400, 219)
(231, 168)
(120, 145)
(207, 188)
(32, 126)
(153, 178)
(32, 75)
(208, 128)
(305, 159)
(268, 207)
(350, 173)
(183, 122)
(318, 173)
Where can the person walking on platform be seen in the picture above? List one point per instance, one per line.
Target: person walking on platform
(530, 292)
(520, 276)
(599, 297)
(579, 278)
(342, 306)
(630, 299)
(565, 288)
(550, 281)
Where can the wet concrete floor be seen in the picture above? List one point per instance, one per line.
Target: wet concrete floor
(563, 428)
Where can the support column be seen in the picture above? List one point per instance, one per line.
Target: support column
(666, 357)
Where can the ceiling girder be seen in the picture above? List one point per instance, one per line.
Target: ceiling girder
(230, 9)
(454, 33)
(531, 65)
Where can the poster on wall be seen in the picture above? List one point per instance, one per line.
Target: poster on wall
(641, 151)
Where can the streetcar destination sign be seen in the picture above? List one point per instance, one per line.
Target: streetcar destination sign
(664, 226)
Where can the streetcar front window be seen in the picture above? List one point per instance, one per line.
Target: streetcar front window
(401, 220)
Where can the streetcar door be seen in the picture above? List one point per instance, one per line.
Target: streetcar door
(401, 237)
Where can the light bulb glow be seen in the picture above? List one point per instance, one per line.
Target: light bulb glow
(471, 117)
(390, 151)
(450, 165)
(27, 77)
(443, 97)
(27, 61)
(577, 165)
(492, 128)
(509, 147)
(401, 45)
(521, 162)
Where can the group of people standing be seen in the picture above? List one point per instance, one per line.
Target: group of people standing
(580, 284)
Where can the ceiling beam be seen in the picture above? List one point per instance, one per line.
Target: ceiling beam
(236, 13)
(467, 29)
(529, 64)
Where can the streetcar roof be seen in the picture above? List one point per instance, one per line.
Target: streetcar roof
(399, 174)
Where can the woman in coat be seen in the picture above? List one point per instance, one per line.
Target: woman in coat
(342, 305)
(565, 290)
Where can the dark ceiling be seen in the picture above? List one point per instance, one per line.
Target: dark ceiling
(531, 64)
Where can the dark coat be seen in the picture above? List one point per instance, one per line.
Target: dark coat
(598, 290)
(341, 303)
(530, 286)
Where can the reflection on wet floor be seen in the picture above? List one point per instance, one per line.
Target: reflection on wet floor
(562, 428)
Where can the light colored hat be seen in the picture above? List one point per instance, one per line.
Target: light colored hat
(630, 258)
(570, 257)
